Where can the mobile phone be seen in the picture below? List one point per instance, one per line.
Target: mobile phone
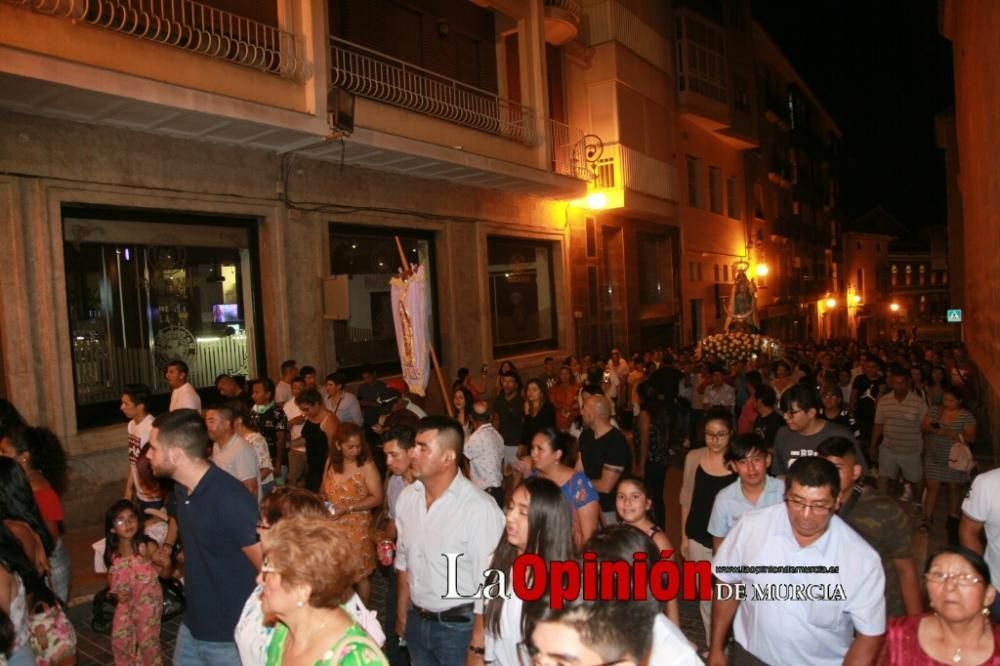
(484, 370)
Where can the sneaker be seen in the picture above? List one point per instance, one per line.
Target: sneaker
(907, 495)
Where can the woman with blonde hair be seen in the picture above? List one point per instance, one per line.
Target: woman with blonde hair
(352, 487)
(310, 567)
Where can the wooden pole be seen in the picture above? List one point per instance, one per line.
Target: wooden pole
(407, 273)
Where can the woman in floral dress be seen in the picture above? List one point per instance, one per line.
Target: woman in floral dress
(352, 487)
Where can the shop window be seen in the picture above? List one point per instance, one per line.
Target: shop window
(143, 290)
(655, 255)
(522, 295)
(369, 258)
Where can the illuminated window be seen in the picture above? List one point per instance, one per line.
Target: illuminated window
(895, 274)
(522, 295)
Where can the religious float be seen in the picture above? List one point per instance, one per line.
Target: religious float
(742, 340)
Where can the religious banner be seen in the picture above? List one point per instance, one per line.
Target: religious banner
(411, 316)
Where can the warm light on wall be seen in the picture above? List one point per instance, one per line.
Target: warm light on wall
(856, 299)
(894, 307)
(831, 303)
(761, 270)
(597, 201)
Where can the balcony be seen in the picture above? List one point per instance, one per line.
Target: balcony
(702, 74)
(373, 75)
(569, 151)
(562, 21)
(624, 169)
(611, 21)
(188, 25)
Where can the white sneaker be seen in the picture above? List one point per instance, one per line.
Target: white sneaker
(907, 495)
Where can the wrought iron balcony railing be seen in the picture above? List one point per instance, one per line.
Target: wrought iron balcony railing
(571, 153)
(380, 77)
(188, 25)
(623, 167)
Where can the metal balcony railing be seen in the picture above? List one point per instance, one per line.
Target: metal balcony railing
(623, 167)
(568, 147)
(188, 25)
(377, 76)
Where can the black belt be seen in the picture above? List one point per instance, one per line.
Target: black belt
(456, 614)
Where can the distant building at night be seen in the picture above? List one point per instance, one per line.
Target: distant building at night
(865, 269)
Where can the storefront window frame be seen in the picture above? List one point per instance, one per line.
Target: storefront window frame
(549, 344)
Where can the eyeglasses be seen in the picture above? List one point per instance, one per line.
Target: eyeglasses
(792, 412)
(942, 578)
(529, 655)
(799, 505)
(716, 435)
(126, 520)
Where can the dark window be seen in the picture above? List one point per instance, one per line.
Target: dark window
(591, 237)
(656, 269)
(522, 295)
(369, 258)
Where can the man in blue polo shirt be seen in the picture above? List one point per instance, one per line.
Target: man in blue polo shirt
(217, 518)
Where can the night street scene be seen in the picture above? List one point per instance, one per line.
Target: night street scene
(499, 332)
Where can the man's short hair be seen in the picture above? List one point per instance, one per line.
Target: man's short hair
(183, 429)
(838, 447)
(139, 394)
(806, 397)
(307, 370)
(481, 412)
(744, 444)
(548, 359)
(223, 376)
(615, 630)
(449, 432)
(287, 365)
(338, 378)
(368, 369)
(310, 397)
(768, 396)
(404, 436)
(299, 379)
(814, 472)
(224, 410)
(180, 365)
(266, 383)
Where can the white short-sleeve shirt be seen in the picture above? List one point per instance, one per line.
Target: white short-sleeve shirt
(818, 633)
(983, 505)
(185, 397)
(730, 504)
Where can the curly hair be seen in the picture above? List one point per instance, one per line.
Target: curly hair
(345, 432)
(314, 551)
(17, 502)
(45, 454)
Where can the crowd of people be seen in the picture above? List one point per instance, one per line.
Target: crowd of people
(803, 479)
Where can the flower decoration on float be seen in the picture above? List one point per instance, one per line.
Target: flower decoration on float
(739, 347)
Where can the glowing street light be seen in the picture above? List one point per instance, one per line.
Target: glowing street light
(856, 299)
(894, 306)
(761, 270)
(831, 303)
(597, 201)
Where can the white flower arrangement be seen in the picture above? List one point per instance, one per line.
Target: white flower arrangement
(731, 348)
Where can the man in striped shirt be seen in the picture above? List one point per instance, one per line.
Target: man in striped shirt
(897, 424)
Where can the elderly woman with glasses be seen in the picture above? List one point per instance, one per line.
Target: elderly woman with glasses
(959, 631)
(309, 571)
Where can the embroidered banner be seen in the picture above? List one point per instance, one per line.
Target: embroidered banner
(411, 315)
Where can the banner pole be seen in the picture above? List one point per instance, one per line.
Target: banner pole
(407, 273)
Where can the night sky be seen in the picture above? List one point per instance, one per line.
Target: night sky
(882, 70)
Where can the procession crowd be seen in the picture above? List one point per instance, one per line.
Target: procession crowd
(269, 510)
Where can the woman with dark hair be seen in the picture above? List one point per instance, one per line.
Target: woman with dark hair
(15, 573)
(10, 418)
(943, 427)
(352, 487)
(782, 379)
(537, 523)
(936, 385)
(654, 445)
(461, 400)
(41, 455)
(20, 514)
(538, 411)
(318, 430)
(959, 631)
(553, 456)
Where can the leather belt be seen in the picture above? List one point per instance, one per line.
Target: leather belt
(456, 614)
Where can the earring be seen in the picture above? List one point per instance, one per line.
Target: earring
(986, 610)
(300, 603)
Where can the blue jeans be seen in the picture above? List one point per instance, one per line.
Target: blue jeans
(189, 651)
(433, 643)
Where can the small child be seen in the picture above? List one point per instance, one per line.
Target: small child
(632, 502)
(750, 458)
(132, 579)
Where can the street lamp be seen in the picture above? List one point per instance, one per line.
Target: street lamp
(831, 303)
(761, 270)
(894, 306)
(597, 201)
(856, 299)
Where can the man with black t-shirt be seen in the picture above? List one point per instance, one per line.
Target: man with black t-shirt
(865, 392)
(768, 421)
(604, 453)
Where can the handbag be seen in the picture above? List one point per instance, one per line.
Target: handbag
(52, 637)
(960, 456)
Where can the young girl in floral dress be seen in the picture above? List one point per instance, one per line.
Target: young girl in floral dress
(135, 632)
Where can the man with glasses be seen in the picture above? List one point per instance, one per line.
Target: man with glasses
(804, 431)
(773, 623)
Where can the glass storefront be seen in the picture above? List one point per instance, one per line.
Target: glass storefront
(522, 295)
(142, 293)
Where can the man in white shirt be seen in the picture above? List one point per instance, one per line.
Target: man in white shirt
(183, 395)
(140, 423)
(438, 517)
(230, 452)
(717, 393)
(833, 618)
(342, 402)
(485, 452)
(283, 389)
(981, 511)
